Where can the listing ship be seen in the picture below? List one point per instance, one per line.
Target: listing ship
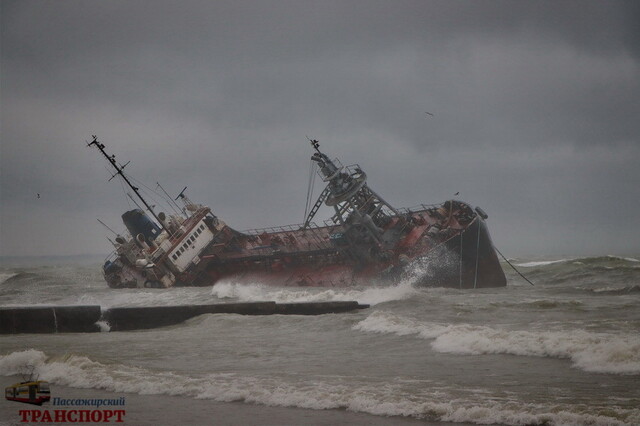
(367, 241)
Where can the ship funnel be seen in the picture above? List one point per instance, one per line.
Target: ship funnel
(137, 222)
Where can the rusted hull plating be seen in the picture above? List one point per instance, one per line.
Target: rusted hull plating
(458, 256)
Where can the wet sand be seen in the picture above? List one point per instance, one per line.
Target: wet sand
(169, 410)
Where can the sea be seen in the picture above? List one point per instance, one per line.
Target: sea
(564, 350)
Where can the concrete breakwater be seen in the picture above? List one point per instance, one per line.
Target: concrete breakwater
(49, 319)
(84, 319)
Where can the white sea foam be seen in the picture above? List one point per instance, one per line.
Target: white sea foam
(593, 352)
(541, 263)
(15, 362)
(104, 326)
(259, 292)
(326, 392)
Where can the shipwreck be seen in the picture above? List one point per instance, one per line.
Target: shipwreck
(366, 241)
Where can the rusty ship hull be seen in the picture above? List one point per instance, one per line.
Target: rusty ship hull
(366, 242)
(462, 257)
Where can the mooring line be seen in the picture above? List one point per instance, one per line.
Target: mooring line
(514, 268)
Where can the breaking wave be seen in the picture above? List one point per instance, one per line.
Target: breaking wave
(260, 292)
(592, 352)
(394, 398)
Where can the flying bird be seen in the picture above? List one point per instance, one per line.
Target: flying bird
(38, 195)
(456, 193)
(428, 113)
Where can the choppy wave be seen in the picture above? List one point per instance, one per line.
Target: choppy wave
(147, 297)
(592, 260)
(394, 398)
(542, 304)
(259, 292)
(614, 291)
(9, 277)
(593, 352)
(583, 272)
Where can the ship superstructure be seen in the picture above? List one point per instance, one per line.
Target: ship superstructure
(365, 241)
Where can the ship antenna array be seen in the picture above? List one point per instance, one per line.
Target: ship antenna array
(315, 144)
(119, 171)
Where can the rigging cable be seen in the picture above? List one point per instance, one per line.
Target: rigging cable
(310, 185)
(150, 193)
(514, 268)
(124, 191)
(475, 280)
(171, 201)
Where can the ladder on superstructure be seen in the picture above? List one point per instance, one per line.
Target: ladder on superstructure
(321, 199)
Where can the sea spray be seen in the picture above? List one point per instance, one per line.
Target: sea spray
(259, 292)
(15, 362)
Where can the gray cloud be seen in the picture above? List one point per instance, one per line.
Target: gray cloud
(534, 104)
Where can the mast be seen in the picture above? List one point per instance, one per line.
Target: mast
(119, 169)
(350, 196)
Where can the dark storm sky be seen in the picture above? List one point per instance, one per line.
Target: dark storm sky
(536, 112)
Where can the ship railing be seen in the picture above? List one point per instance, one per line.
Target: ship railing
(429, 208)
(419, 207)
(338, 165)
(353, 170)
(188, 223)
(319, 240)
(276, 229)
(314, 238)
(112, 257)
